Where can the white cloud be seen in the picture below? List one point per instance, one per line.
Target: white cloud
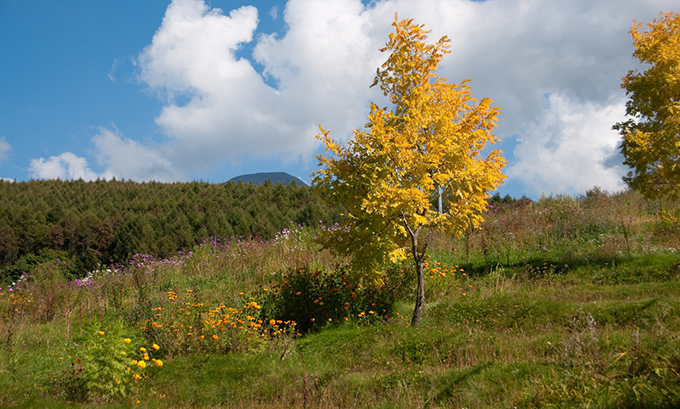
(571, 148)
(114, 67)
(231, 109)
(4, 148)
(220, 105)
(121, 158)
(7, 180)
(516, 52)
(124, 158)
(65, 166)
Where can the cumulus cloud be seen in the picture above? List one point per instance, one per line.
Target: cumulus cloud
(572, 148)
(120, 157)
(4, 148)
(543, 62)
(516, 52)
(65, 166)
(231, 110)
(124, 158)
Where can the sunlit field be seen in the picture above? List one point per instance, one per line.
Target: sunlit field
(564, 302)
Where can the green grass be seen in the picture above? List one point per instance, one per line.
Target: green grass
(543, 343)
(578, 325)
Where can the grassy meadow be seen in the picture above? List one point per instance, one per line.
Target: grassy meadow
(564, 302)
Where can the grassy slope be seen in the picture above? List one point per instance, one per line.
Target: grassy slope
(556, 340)
(599, 332)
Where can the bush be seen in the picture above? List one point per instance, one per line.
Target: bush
(314, 299)
(109, 364)
(28, 263)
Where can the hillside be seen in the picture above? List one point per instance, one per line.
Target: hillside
(566, 302)
(91, 223)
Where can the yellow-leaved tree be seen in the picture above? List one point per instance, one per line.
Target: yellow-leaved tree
(430, 140)
(651, 138)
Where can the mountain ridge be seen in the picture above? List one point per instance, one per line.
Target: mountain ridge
(261, 177)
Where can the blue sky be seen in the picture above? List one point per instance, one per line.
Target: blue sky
(207, 90)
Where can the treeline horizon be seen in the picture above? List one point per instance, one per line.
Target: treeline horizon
(87, 224)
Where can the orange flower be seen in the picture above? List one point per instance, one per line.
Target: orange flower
(215, 337)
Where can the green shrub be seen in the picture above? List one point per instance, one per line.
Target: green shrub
(28, 263)
(108, 364)
(314, 299)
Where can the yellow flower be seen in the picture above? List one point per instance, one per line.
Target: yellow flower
(134, 362)
(142, 349)
(123, 353)
(101, 333)
(156, 347)
(141, 364)
(135, 376)
(146, 357)
(127, 340)
(159, 362)
(272, 322)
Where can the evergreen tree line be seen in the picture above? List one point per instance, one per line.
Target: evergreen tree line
(92, 223)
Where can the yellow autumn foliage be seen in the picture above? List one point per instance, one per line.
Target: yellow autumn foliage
(431, 138)
(651, 138)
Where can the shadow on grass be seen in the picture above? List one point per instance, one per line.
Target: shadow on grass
(597, 270)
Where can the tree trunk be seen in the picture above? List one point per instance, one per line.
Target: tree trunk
(420, 293)
(418, 257)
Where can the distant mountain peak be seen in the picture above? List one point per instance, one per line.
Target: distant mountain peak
(274, 177)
